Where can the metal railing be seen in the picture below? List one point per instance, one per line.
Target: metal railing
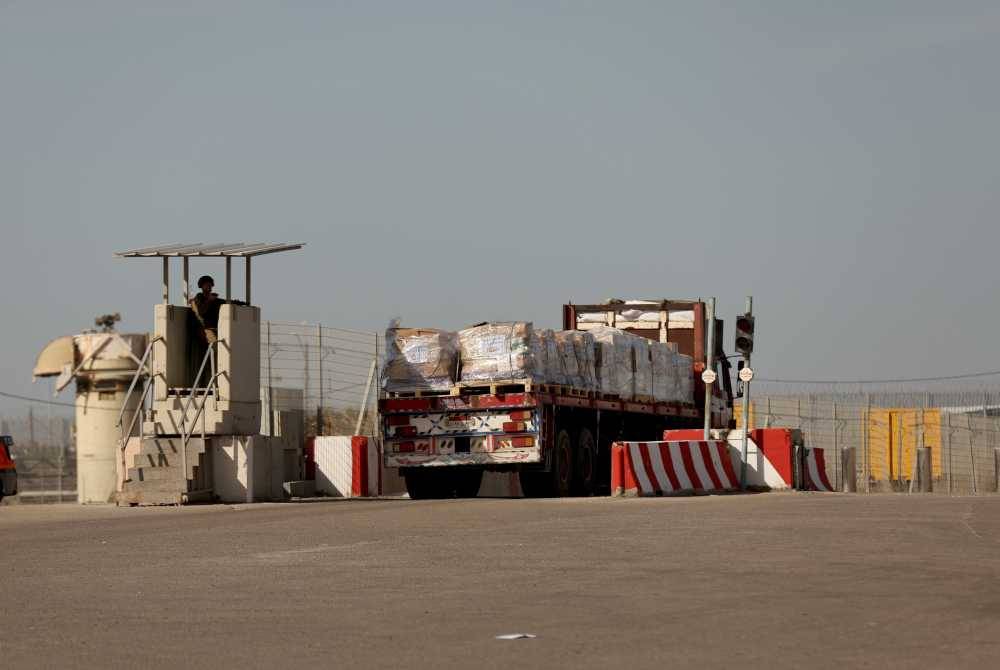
(199, 404)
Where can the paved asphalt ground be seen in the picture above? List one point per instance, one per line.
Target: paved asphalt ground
(776, 580)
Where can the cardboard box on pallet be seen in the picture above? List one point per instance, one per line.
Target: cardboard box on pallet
(502, 351)
(419, 359)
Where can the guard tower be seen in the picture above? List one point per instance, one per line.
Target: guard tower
(199, 394)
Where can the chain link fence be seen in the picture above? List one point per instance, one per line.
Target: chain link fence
(886, 428)
(335, 370)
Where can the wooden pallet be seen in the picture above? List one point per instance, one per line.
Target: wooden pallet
(421, 393)
(495, 387)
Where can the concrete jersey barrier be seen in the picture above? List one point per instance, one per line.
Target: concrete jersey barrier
(672, 468)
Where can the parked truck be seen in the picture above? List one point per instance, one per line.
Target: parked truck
(556, 437)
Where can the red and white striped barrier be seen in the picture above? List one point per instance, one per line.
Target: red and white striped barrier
(670, 468)
(814, 471)
(347, 466)
(770, 454)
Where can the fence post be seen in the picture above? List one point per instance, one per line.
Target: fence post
(836, 448)
(947, 441)
(899, 450)
(320, 429)
(847, 456)
(868, 437)
(996, 469)
(972, 455)
(923, 459)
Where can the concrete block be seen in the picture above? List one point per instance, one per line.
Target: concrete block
(303, 488)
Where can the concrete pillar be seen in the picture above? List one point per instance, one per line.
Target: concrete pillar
(847, 466)
(924, 474)
(798, 480)
(996, 469)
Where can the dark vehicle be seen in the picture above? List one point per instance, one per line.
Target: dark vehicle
(8, 473)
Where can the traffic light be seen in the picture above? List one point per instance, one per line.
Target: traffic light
(744, 334)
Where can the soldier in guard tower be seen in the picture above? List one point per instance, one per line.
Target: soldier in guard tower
(205, 307)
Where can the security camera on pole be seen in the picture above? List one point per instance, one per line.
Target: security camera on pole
(744, 345)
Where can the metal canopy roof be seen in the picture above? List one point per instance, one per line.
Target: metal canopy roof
(237, 249)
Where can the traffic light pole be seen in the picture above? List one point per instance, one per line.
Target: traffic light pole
(746, 410)
(709, 365)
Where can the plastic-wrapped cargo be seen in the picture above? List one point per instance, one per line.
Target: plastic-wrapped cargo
(643, 377)
(664, 372)
(569, 365)
(502, 351)
(614, 361)
(576, 353)
(419, 359)
(684, 371)
(584, 344)
(553, 358)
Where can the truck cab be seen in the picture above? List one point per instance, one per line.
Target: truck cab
(8, 472)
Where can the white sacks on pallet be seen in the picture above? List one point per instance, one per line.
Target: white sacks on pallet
(567, 361)
(614, 361)
(684, 373)
(419, 359)
(642, 384)
(664, 372)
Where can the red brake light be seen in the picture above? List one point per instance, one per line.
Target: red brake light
(406, 431)
(513, 426)
(398, 420)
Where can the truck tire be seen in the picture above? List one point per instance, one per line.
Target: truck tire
(585, 470)
(467, 482)
(435, 483)
(423, 483)
(558, 481)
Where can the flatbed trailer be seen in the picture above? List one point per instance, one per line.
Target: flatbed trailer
(558, 438)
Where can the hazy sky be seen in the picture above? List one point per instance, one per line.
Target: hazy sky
(453, 162)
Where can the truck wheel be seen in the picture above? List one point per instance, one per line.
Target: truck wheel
(585, 475)
(423, 483)
(467, 482)
(562, 465)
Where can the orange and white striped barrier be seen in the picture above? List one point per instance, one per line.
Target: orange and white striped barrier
(814, 471)
(672, 468)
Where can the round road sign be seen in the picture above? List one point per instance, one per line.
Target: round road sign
(746, 374)
(709, 376)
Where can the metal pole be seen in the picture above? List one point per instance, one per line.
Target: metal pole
(319, 358)
(972, 456)
(947, 441)
(187, 281)
(866, 470)
(364, 399)
(836, 448)
(270, 392)
(709, 365)
(746, 410)
(229, 278)
(247, 281)
(166, 280)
